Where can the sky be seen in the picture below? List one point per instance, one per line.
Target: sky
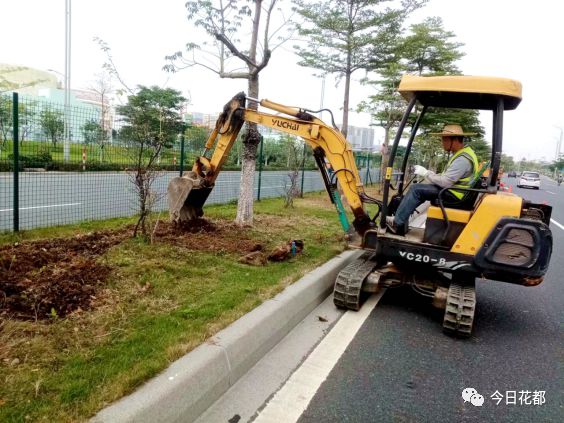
(505, 38)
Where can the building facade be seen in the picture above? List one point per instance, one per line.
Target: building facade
(361, 139)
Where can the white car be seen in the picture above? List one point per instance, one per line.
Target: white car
(530, 180)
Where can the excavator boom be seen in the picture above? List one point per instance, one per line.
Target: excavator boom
(187, 194)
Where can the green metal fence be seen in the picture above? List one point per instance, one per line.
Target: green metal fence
(65, 165)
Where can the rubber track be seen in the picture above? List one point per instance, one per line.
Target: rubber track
(459, 312)
(347, 290)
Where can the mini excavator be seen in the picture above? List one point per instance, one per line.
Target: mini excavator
(489, 234)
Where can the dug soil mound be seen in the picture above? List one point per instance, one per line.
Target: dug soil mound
(204, 235)
(52, 278)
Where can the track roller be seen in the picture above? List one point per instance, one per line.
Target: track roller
(348, 286)
(459, 312)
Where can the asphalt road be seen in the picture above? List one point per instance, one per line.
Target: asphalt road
(400, 367)
(59, 198)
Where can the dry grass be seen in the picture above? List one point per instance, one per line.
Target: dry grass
(161, 301)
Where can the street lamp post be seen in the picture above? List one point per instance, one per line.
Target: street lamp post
(66, 145)
(558, 148)
(559, 144)
(66, 115)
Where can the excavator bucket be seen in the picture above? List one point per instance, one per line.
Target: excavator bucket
(186, 196)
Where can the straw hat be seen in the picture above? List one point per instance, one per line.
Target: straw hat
(453, 131)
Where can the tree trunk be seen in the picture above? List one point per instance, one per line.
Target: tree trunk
(251, 140)
(345, 126)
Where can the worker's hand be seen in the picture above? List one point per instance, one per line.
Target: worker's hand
(420, 171)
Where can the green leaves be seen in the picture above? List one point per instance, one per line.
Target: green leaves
(152, 116)
(52, 123)
(343, 36)
(429, 49)
(93, 132)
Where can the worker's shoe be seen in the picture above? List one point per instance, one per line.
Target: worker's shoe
(394, 228)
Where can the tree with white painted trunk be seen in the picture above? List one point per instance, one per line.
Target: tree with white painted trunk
(224, 21)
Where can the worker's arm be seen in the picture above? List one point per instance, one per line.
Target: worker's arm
(458, 169)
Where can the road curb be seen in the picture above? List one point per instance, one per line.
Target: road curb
(192, 383)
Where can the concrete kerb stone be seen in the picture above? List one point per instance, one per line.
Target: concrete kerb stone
(194, 382)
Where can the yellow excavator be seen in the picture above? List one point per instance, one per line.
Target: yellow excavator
(487, 234)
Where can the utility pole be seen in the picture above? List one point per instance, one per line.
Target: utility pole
(558, 149)
(66, 144)
(322, 99)
(559, 144)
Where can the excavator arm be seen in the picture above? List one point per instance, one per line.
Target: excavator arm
(187, 194)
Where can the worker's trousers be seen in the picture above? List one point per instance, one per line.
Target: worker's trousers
(417, 194)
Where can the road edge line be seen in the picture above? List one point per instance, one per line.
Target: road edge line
(289, 403)
(557, 224)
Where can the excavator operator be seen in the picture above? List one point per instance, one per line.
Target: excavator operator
(460, 171)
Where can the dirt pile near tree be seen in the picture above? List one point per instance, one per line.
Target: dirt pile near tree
(205, 235)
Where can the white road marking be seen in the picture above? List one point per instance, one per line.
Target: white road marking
(557, 224)
(42, 207)
(550, 192)
(292, 399)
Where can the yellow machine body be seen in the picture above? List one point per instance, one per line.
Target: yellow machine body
(488, 212)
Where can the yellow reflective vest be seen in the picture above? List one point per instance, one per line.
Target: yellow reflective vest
(468, 153)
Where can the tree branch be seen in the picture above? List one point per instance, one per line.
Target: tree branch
(234, 75)
(223, 39)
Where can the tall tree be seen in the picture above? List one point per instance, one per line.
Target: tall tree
(102, 86)
(430, 49)
(92, 132)
(53, 124)
(223, 21)
(26, 118)
(427, 49)
(386, 106)
(296, 158)
(6, 116)
(343, 36)
(152, 122)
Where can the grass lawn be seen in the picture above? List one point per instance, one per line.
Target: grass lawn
(160, 302)
(110, 153)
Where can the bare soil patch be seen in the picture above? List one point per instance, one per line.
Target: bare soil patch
(51, 278)
(206, 235)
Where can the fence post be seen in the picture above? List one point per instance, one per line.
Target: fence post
(303, 169)
(182, 153)
(367, 170)
(16, 146)
(260, 168)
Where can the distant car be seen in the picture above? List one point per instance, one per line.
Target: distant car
(512, 174)
(530, 180)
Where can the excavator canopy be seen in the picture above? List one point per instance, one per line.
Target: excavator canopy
(463, 92)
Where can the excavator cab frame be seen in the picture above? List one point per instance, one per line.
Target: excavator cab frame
(462, 92)
(497, 236)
